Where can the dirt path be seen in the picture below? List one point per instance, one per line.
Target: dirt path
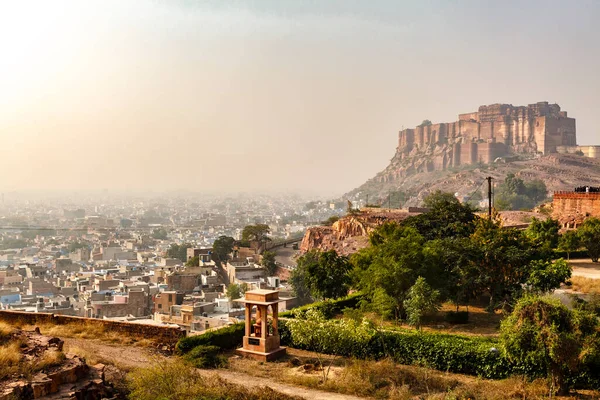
(585, 268)
(255, 381)
(129, 357)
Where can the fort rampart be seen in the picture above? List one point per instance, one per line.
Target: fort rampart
(571, 208)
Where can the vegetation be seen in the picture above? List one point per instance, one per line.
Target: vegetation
(333, 219)
(589, 236)
(193, 262)
(421, 300)
(425, 122)
(543, 332)
(222, 247)
(516, 194)
(569, 242)
(160, 234)
(268, 261)
(235, 291)
(178, 251)
(206, 357)
(225, 338)
(256, 234)
(323, 275)
(177, 381)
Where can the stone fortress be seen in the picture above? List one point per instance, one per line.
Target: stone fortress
(495, 132)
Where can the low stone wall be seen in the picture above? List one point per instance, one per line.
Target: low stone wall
(165, 335)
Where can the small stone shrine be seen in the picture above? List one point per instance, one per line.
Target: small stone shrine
(261, 338)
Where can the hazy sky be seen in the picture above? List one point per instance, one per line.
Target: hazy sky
(299, 95)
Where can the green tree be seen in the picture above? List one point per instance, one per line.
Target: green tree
(178, 251)
(222, 247)
(543, 332)
(569, 242)
(326, 274)
(589, 235)
(234, 291)
(126, 223)
(545, 275)
(446, 217)
(193, 262)
(268, 261)
(544, 233)
(298, 280)
(425, 122)
(160, 234)
(74, 246)
(387, 269)
(504, 257)
(420, 301)
(256, 234)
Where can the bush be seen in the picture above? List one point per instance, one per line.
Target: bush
(205, 357)
(225, 338)
(457, 317)
(480, 356)
(329, 308)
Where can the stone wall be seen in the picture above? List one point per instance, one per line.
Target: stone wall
(571, 208)
(165, 335)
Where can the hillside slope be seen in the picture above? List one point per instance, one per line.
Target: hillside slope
(558, 171)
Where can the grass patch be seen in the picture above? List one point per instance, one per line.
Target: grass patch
(10, 358)
(387, 380)
(175, 380)
(5, 331)
(585, 285)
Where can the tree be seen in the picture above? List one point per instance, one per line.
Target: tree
(503, 260)
(257, 234)
(178, 251)
(420, 300)
(222, 246)
(160, 234)
(234, 291)
(544, 332)
(268, 261)
(425, 122)
(545, 275)
(544, 233)
(126, 223)
(193, 262)
(326, 274)
(589, 235)
(387, 269)
(569, 242)
(446, 217)
(298, 280)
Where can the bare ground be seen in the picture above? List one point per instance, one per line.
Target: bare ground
(130, 357)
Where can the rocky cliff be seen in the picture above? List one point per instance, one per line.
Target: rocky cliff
(350, 233)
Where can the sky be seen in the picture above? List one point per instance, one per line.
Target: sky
(272, 95)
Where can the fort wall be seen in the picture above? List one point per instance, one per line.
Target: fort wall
(571, 208)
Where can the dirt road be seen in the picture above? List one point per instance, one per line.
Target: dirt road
(585, 268)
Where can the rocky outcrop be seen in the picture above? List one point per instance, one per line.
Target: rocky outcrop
(65, 378)
(350, 233)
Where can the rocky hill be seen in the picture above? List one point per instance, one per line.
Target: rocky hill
(406, 188)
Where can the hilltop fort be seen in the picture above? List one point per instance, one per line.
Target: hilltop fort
(494, 131)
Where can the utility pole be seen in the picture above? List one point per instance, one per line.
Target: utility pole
(389, 201)
(367, 203)
(489, 179)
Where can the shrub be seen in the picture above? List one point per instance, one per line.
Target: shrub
(225, 338)
(329, 308)
(205, 357)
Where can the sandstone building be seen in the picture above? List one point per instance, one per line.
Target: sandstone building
(572, 208)
(497, 130)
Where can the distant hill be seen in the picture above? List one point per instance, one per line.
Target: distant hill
(558, 171)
